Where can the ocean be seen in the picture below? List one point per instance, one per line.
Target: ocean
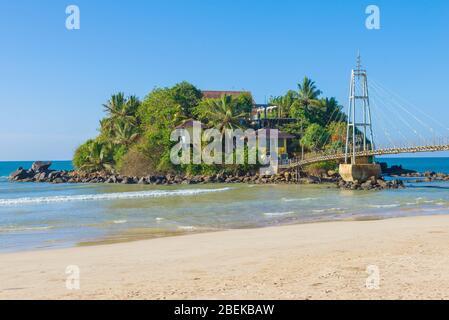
(37, 216)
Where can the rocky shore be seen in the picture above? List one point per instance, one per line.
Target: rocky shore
(372, 184)
(41, 172)
(427, 176)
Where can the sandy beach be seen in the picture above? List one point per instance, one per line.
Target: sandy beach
(307, 261)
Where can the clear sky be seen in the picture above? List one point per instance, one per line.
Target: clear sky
(53, 81)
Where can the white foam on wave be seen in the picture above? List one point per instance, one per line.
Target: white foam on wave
(23, 229)
(277, 214)
(120, 221)
(328, 210)
(109, 196)
(298, 199)
(381, 206)
(186, 228)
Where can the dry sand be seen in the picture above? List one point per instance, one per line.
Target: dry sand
(309, 261)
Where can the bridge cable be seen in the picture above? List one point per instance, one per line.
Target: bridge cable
(404, 109)
(415, 108)
(375, 92)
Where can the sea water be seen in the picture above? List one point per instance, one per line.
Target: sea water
(41, 216)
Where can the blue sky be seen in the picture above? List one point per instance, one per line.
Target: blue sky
(54, 81)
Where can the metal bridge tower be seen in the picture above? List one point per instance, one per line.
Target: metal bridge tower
(359, 114)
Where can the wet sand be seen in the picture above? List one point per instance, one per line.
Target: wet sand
(307, 261)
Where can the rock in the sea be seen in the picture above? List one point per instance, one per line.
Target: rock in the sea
(142, 181)
(126, 180)
(19, 174)
(40, 166)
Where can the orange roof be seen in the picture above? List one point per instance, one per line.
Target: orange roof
(189, 124)
(217, 94)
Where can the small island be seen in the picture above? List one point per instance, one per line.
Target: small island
(134, 143)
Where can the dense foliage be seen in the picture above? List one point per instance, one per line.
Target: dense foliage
(134, 137)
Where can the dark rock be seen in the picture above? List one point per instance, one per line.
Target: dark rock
(111, 179)
(367, 185)
(395, 170)
(126, 180)
(41, 177)
(40, 166)
(142, 181)
(382, 184)
(58, 180)
(19, 174)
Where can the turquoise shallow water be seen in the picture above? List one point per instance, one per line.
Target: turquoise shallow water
(420, 164)
(37, 216)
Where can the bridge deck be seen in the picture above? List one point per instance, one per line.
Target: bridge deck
(378, 152)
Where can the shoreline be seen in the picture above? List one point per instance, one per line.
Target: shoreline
(319, 260)
(40, 172)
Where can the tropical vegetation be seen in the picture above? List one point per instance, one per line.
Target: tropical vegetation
(134, 136)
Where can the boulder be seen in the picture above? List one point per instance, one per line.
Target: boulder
(142, 181)
(367, 185)
(58, 180)
(112, 179)
(40, 166)
(19, 174)
(126, 180)
(41, 177)
(382, 184)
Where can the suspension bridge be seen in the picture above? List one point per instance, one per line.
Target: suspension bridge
(400, 125)
(326, 156)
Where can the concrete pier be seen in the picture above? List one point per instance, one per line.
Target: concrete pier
(359, 172)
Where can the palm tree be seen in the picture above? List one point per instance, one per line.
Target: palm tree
(124, 134)
(222, 113)
(308, 93)
(120, 108)
(306, 101)
(284, 103)
(330, 110)
(98, 158)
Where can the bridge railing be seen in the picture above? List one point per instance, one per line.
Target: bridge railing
(429, 145)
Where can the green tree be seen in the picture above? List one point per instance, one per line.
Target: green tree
(160, 110)
(330, 110)
(315, 137)
(119, 108)
(243, 103)
(307, 104)
(284, 103)
(187, 96)
(223, 113)
(93, 156)
(308, 93)
(124, 134)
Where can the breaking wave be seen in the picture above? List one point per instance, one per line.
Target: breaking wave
(13, 229)
(329, 210)
(277, 214)
(381, 206)
(109, 196)
(298, 199)
(120, 221)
